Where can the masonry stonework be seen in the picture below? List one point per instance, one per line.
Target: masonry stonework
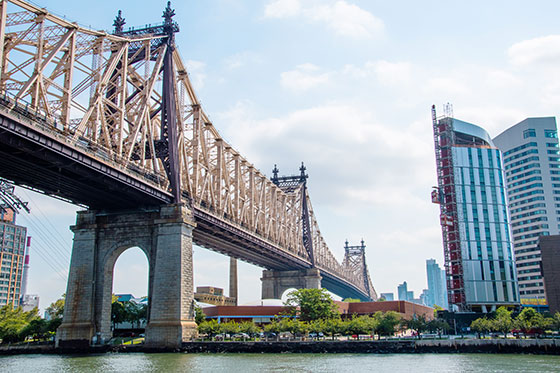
(165, 236)
(275, 283)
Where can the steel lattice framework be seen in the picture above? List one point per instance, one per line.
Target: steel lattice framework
(126, 98)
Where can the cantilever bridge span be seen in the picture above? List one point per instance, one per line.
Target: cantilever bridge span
(111, 121)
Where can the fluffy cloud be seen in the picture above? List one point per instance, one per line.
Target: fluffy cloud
(304, 77)
(541, 50)
(343, 18)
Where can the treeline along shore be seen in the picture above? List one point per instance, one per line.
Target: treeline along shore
(504, 346)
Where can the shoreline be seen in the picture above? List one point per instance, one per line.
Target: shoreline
(490, 346)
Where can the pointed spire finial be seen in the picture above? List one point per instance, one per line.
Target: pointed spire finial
(302, 169)
(119, 22)
(168, 14)
(275, 174)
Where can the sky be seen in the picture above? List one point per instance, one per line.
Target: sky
(345, 86)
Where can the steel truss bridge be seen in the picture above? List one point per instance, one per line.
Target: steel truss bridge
(111, 121)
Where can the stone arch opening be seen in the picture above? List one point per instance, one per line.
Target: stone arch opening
(285, 294)
(130, 282)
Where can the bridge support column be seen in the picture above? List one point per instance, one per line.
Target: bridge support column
(165, 236)
(275, 283)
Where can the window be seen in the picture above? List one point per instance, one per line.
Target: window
(552, 144)
(552, 134)
(529, 133)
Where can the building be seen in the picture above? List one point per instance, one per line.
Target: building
(265, 314)
(532, 163)
(549, 247)
(437, 288)
(387, 296)
(402, 291)
(29, 302)
(425, 297)
(479, 262)
(212, 295)
(12, 251)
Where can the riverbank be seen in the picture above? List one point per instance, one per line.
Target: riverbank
(492, 346)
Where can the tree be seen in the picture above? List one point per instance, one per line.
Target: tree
(388, 322)
(481, 326)
(417, 323)
(528, 320)
(555, 321)
(311, 304)
(56, 309)
(249, 328)
(118, 313)
(503, 321)
(13, 321)
(356, 325)
(199, 315)
(37, 329)
(332, 326)
(351, 300)
(210, 328)
(438, 326)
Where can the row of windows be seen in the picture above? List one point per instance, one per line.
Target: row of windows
(529, 264)
(526, 187)
(525, 257)
(529, 166)
(530, 207)
(529, 292)
(528, 278)
(531, 270)
(527, 152)
(552, 134)
(552, 144)
(531, 228)
(527, 221)
(529, 200)
(520, 147)
(523, 161)
(532, 235)
(526, 243)
(520, 176)
(550, 165)
(557, 152)
(528, 250)
(554, 159)
(531, 285)
(531, 193)
(534, 178)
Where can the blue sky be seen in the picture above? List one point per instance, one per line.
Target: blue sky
(345, 86)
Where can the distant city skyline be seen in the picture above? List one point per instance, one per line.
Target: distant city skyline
(345, 86)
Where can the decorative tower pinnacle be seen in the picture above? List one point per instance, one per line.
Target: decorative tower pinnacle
(119, 22)
(168, 14)
(302, 175)
(275, 175)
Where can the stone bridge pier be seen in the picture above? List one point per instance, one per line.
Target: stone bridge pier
(164, 234)
(275, 283)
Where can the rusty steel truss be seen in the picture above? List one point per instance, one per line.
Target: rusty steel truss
(126, 97)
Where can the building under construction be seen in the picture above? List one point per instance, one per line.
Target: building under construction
(479, 263)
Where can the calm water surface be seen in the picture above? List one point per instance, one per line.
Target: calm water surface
(179, 362)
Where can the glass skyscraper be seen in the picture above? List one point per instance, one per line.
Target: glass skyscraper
(437, 288)
(532, 163)
(12, 250)
(479, 262)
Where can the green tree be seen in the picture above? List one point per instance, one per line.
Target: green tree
(249, 328)
(481, 326)
(230, 327)
(438, 326)
(416, 323)
(351, 300)
(332, 326)
(56, 309)
(118, 313)
(356, 326)
(316, 326)
(388, 322)
(199, 315)
(554, 322)
(36, 329)
(529, 319)
(311, 304)
(502, 322)
(210, 328)
(13, 321)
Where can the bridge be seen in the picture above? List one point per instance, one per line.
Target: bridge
(111, 122)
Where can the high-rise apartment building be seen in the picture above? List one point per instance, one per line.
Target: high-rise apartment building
(402, 291)
(387, 296)
(479, 262)
(532, 166)
(12, 251)
(437, 288)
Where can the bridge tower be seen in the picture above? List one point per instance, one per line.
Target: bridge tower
(276, 282)
(163, 233)
(355, 261)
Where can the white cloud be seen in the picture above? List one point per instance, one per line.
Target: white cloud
(242, 59)
(304, 77)
(196, 73)
(541, 50)
(282, 8)
(343, 18)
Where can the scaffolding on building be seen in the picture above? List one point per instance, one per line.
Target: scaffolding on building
(444, 194)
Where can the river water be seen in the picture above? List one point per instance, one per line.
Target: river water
(181, 362)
